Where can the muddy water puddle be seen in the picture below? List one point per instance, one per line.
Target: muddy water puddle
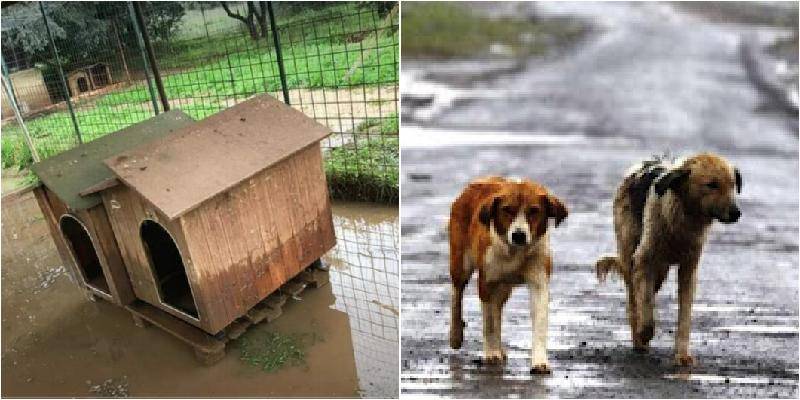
(55, 342)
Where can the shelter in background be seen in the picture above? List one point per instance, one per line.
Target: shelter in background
(30, 91)
(89, 78)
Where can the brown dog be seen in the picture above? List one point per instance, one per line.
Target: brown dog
(499, 227)
(662, 212)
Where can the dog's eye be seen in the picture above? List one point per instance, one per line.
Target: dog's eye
(712, 185)
(508, 209)
(533, 210)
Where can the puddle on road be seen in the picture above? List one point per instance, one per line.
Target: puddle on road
(57, 343)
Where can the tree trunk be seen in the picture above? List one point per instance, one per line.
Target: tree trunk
(262, 19)
(247, 20)
(121, 53)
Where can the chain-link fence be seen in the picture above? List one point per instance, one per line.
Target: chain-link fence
(94, 68)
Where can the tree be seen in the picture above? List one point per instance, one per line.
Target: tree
(81, 30)
(163, 19)
(255, 20)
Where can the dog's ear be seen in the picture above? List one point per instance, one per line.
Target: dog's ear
(738, 177)
(489, 211)
(556, 209)
(670, 180)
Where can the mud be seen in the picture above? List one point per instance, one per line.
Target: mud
(55, 342)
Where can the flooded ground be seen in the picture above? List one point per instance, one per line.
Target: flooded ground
(652, 79)
(57, 343)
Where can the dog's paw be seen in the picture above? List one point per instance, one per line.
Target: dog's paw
(646, 333)
(456, 338)
(603, 266)
(640, 347)
(494, 356)
(540, 369)
(684, 360)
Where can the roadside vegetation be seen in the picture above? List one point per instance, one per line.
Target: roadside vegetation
(453, 30)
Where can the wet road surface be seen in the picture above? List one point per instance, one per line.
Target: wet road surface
(57, 343)
(649, 80)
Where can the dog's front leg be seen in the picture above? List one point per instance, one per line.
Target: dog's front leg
(492, 352)
(643, 286)
(456, 320)
(539, 288)
(687, 281)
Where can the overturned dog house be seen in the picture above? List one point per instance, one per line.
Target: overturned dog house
(75, 212)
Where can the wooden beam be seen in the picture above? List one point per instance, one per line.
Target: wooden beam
(99, 187)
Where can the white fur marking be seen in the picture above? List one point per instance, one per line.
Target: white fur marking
(520, 223)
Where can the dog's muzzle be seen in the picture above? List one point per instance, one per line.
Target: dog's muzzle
(519, 238)
(733, 215)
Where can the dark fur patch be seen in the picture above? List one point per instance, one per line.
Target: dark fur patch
(738, 176)
(640, 186)
(488, 213)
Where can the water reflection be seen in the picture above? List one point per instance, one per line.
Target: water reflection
(365, 280)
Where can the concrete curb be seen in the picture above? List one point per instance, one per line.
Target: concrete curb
(761, 72)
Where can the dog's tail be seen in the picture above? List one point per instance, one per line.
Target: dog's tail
(606, 264)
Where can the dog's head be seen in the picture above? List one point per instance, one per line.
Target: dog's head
(707, 185)
(519, 212)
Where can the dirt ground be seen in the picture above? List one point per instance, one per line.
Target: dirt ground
(57, 343)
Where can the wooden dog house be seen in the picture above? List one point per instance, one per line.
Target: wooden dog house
(75, 214)
(214, 217)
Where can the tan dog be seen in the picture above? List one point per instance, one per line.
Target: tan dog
(662, 212)
(499, 227)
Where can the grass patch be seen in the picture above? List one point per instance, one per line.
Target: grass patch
(271, 351)
(452, 30)
(366, 170)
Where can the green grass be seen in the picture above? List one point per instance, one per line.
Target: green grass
(452, 30)
(271, 351)
(365, 169)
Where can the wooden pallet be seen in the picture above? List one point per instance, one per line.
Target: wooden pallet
(209, 349)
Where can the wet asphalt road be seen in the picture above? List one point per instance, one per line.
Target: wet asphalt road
(648, 80)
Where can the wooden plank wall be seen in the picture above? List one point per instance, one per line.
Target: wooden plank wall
(52, 209)
(126, 211)
(96, 222)
(247, 242)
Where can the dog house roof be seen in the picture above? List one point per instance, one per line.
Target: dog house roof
(178, 172)
(69, 173)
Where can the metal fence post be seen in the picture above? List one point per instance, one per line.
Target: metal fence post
(137, 10)
(278, 53)
(9, 88)
(6, 75)
(61, 74)
(144, 57)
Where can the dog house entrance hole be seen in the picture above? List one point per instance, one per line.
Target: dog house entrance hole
(83, 252)
(168, 268)
(83, 85)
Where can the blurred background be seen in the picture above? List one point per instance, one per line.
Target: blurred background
(572, 94)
